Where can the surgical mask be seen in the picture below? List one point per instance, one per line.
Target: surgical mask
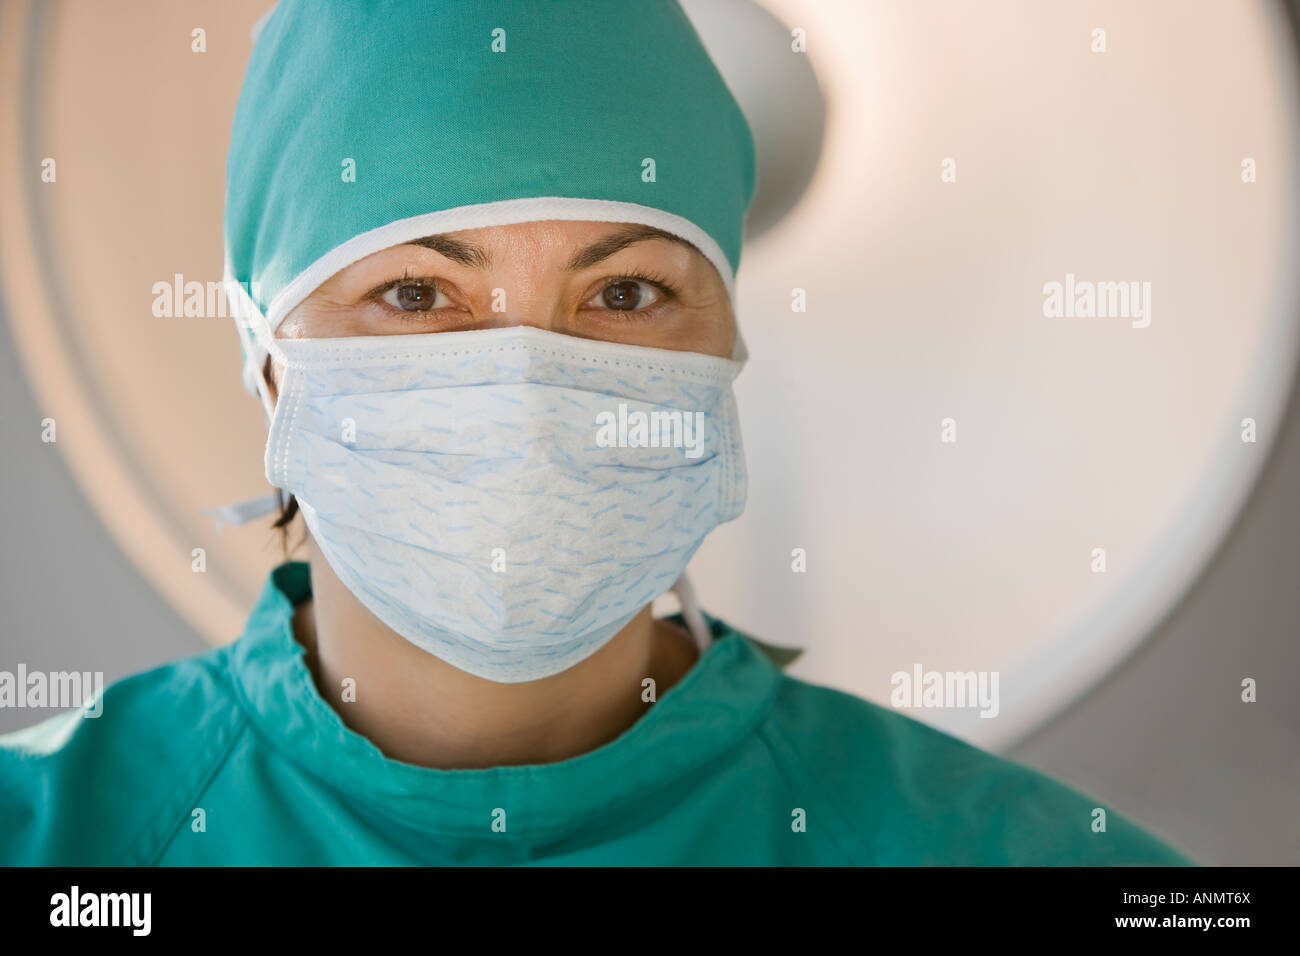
(506, 499)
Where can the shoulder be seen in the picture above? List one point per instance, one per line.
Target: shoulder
(904, 793)
(80, 789)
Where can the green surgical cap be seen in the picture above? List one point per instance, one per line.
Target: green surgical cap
(363, 125)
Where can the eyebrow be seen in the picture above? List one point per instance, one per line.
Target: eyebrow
(475, 256)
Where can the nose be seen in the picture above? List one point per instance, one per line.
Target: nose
(526, 295)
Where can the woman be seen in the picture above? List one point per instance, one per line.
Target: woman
(483, 257)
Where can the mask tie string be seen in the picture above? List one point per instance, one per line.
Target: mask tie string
(695, 622)
(242, 512)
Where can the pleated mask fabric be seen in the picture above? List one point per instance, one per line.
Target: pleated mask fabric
(506, 499)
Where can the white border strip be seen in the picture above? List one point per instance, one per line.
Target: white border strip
(256, 337)
(371, 350)
(504, 212)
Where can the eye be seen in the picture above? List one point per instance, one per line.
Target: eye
(414, 295)
(628, 294)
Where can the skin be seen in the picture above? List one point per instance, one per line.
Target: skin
(413, 706)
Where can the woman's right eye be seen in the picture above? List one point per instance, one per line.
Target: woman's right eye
(416, 295)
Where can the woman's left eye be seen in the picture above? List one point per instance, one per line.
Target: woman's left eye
(413, 296)
(626, 295)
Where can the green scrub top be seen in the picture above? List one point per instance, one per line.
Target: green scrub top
(736, 764)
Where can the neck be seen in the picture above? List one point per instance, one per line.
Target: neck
(421, 710)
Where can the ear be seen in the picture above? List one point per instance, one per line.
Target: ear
(268, 390)
(271, 380)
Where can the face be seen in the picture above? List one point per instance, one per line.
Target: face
(617, 282)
